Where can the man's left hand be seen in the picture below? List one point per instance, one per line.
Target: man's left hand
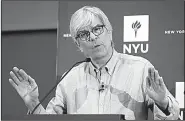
(156, 88)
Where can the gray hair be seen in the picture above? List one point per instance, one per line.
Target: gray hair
(84, 17)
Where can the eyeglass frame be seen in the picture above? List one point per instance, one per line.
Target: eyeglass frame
(88, 33)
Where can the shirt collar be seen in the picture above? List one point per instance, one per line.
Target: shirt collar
(112, 62)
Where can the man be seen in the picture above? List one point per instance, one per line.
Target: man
(111, 83)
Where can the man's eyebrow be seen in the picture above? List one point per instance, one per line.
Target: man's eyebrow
(97, 25)
(84, 29)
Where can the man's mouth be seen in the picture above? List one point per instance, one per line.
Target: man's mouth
(96, 46)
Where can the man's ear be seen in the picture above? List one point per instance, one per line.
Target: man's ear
(78, 45)
(81, 50)
(110, 33)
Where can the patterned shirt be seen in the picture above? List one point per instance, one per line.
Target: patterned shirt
(124, 90)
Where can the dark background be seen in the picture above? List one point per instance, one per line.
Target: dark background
(30, 40)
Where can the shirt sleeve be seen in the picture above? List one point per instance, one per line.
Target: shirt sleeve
(59, 100)
(173, 106)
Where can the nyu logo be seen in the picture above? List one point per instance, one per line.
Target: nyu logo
(136, 29)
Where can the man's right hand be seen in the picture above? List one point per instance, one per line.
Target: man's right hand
(25, 86)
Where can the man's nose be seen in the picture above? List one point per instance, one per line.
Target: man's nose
(93, 37)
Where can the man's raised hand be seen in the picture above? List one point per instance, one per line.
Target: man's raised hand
(24, 85)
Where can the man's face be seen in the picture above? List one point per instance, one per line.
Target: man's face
(95, 40)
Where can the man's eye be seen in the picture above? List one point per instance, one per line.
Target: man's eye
(97, 28)
(82, 35)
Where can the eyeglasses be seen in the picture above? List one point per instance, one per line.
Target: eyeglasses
(85, 35)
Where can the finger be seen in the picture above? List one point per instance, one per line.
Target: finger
(148, 83)
(13, 83)
(16, 70)
(23, 74)
(15, 79)
(58, 109)
(32, 81)
(151, 73)
(153, 85)
(156, 75)
(149, 89)
(161, 82)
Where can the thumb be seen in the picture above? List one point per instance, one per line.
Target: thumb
(32, 81)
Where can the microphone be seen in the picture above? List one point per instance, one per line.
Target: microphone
(86, 60)
(102, 87)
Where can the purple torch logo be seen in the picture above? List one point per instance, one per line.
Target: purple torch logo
(136, 25)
